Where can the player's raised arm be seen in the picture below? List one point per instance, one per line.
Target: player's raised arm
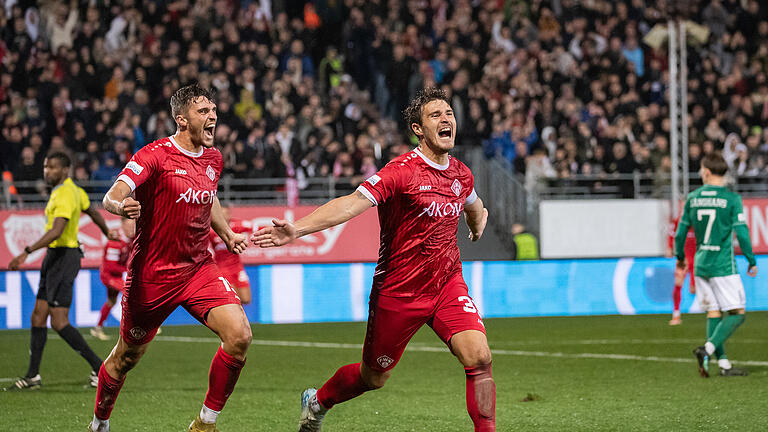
(330, 214)
(236, 243)
(117, 201)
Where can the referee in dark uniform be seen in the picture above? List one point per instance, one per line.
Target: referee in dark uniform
(59, 269)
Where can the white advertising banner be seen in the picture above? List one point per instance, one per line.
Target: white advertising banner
(603, 228)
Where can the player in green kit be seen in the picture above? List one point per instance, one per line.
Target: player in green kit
(715, 213)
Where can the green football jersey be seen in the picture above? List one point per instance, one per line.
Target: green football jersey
(715, 213)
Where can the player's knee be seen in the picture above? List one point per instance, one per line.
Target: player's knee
(375, 380)
(239, 341)
(126, 360)
(58, 323)
(476, 356)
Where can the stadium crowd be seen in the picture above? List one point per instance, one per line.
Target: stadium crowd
(311, 89)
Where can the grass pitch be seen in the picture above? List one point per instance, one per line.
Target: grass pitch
(616, 373)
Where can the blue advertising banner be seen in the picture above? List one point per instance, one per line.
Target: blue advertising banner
(294, 293)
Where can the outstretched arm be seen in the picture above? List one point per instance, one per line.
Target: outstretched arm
(99, 221)
(330, 214)
(236, 243)
(476, 217)
(52, 234)
(118, 201)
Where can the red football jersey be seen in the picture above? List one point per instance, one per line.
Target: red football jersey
(228, 262)
(690, 239)
(176, 189)
(419, 204)
(115, 258)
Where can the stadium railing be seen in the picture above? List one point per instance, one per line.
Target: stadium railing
(271, 191)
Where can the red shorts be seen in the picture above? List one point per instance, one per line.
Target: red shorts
(238, 278)
(392, 321)
(147, 305)
(112, 281)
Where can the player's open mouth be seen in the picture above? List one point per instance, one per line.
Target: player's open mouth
(444, 132)
(208, 131)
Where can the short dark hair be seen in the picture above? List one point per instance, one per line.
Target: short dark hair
(415, 109)
(715, 163)
(184, 96)
(63, 158)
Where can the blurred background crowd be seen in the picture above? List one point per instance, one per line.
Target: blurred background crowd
(559, 88)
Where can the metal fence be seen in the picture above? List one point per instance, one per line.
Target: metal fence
(271, 191)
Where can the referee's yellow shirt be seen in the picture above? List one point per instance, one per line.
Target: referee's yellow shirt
(67, 201)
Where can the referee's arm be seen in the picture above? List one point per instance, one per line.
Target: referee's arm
(52, 234)
(99, 221)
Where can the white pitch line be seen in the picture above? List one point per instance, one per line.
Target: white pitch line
(332, 345)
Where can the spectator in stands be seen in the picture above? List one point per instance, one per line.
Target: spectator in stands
(525, 244)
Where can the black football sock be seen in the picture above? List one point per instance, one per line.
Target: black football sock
(78, 343)
(36, 344)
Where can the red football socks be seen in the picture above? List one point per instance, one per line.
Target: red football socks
(676, 297)
(104, 314)
(106, 394)
(481, 397)
(225, 370)
(345, 384)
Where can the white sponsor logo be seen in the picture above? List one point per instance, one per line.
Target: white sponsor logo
(384, 361)
(181, 171)
(136, 168)
(197, 196)
(742, 217)
(373, 179)
(425, 188)
(210, 173)
(437, 209)
(456, 187)
(138, 332)
(21, 231)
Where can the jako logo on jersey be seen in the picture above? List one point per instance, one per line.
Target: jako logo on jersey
(442, 209)
(181, 171)
(136, 168)
(197, 196)
(425, 188)
(210, 173)
(456, 187)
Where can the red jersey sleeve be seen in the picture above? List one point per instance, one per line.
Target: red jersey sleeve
(390, 181)
(142, 166)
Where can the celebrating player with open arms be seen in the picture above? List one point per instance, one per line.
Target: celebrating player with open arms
(174, 182)
(420, 197)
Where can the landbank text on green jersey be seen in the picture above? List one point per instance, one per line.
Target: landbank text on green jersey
(715, 213)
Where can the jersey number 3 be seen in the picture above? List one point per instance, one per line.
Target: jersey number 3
(711, 214)
(469, 305)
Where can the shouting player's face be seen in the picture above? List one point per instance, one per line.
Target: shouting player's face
(438, 126)
(201, 122)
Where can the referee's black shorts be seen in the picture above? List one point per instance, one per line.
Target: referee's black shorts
(57, 276)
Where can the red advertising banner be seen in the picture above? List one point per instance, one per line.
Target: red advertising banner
(354, 241)
(756, 210)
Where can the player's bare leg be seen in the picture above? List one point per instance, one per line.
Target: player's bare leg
(122, 359)
(230, 323)
(471, 348)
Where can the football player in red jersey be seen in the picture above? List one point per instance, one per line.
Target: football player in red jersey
(229, 263)
(169, 188)
(420, 196)
(681, 272)
(113, 266)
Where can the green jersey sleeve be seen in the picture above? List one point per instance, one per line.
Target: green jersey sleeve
(739, 222)
(682, 231)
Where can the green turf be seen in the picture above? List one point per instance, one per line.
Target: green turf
(426, 391)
